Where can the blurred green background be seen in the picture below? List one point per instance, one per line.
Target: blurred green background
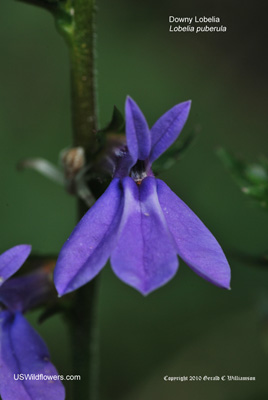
(188, 327)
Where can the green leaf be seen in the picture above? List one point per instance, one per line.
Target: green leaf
(252, 178)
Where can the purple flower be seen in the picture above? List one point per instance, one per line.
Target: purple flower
(139, 223)
(22, 351)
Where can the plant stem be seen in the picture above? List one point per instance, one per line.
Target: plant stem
(83, 82)
(79, 33)
(75, 20)
(84, 346)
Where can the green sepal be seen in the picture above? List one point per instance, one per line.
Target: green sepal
(116, 125)
(113, 133)
(50, 311)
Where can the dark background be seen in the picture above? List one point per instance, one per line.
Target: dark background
(188, 327)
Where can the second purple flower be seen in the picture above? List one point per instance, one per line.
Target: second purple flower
(139, 223)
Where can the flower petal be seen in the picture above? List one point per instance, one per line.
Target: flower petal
(12, 259)
(137, 132)
(166, 130)
(123, 164)
(195, 243)
(88, 248)
(27, 291)
(24, 352)
(145, 255)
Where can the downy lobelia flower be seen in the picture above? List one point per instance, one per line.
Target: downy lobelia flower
(22, 351)
(139, 223)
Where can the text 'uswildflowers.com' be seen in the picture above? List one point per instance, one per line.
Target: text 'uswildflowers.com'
(43, 377)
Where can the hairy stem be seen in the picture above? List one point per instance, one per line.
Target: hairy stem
(75, 20)
(78, 28)
(84, 337)
(81, 40)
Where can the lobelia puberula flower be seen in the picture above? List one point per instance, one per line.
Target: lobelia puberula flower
(22, 351)
(139, 223)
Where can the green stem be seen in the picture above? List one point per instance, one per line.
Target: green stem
(83, 75)
(84, 345)
(77, 26)
(75, 20)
